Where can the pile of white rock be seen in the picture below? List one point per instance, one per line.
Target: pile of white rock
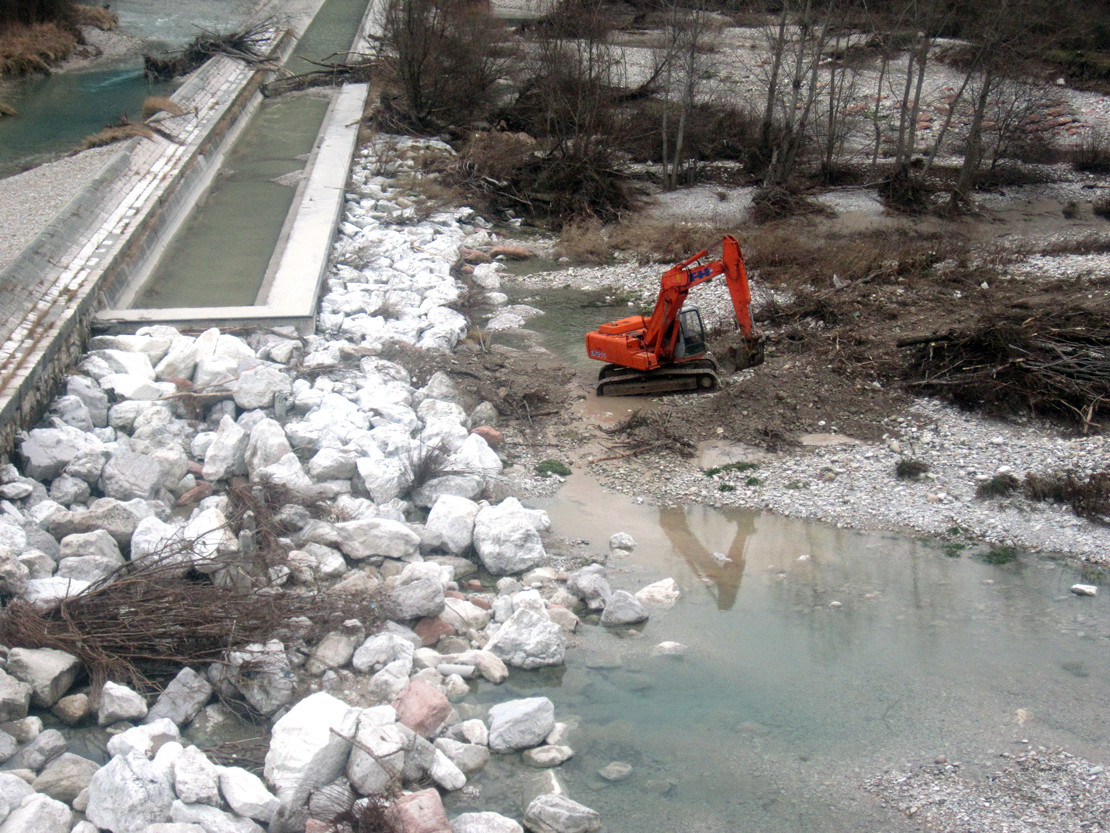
(133, 464)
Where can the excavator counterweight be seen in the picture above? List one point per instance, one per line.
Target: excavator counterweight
(666, 351)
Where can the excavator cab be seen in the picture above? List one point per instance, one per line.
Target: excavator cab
(691, 335)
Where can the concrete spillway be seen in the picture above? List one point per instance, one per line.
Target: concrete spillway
(117, 226)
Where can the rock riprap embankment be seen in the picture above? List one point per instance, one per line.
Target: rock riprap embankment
(133, 470)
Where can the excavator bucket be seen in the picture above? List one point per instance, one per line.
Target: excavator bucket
(739, 353)
(748, 353)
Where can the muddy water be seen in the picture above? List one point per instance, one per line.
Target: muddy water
(817, 658)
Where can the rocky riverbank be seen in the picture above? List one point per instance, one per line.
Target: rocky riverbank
(362, 484)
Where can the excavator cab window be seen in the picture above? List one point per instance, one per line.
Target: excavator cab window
(691, 334)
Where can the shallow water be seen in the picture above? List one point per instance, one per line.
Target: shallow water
(220, 255)
(818, 657)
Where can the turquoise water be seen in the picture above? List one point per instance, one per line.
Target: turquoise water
(56, 113)
(818, 658)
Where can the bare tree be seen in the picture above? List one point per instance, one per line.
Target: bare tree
(685, 64)
(443, 56)
(832, 127)
(802, 46)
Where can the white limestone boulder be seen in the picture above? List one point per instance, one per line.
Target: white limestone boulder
(372, 537)
(48, 671)
(227, 455)
(246, 794)
(257, 387)
(551, 813)
(308, 747)
(520, 724)
(506, 539)
(451, 523)
(529, 639)
(129, 793)
(118, 702)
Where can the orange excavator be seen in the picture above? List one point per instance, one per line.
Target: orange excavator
(666, 352)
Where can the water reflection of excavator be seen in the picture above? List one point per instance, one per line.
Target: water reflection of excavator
(666, 352)
(721, 572)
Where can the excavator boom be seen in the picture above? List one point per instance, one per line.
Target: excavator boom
(665, 352)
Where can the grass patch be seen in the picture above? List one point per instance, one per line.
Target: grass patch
(34, 48)
(546, 468)
(583, 241)
(740, 466)
(651, 242)
(1088, 497)
(120, 132)
(1000, 555)
(909, 468)
(753, 481)
(953, 549)
(725, 487)
(155, 104)
(1093, 152)
(98, 17)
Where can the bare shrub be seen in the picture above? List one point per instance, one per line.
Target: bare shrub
(1093, 152)
(1046, 357)
(248, 44)
(443, 57)
(910, 468)
(769, 204)
(183, 621)
(664, 242)
(496, 156)
(583, 241)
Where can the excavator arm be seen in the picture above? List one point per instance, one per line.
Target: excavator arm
(650, 344)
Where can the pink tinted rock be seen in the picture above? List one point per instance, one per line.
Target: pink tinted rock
(317, 826)
(420, 812)
(431, 629)
(196, 494)
(422, 708)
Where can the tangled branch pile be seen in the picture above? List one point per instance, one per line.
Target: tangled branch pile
(1053, 360)
(149, 620)
(248, 45)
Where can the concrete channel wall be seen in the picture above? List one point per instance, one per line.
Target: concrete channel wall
(52, 291)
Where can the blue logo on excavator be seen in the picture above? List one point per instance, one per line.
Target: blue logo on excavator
(700, 273)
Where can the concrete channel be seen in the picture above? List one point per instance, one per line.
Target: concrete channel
(71, 277)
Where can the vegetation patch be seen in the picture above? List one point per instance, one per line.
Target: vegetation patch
(909, 468)
(119, 132)
(546, 468)
(1000, 555)
(738, 466)
(1001, 485)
